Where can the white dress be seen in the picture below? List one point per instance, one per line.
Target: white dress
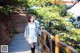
(32, 33)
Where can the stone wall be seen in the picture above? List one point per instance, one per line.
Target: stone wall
(16, 21)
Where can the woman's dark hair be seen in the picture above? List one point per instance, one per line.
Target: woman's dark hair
(29, 17)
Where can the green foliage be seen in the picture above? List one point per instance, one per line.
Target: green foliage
(31, 11)
(6, 10)
(34, 2)
(12, 5)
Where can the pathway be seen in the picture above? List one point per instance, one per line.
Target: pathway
(19, 45)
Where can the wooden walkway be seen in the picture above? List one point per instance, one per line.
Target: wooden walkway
(19, 45)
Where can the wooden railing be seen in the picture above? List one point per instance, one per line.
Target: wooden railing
(46, 40)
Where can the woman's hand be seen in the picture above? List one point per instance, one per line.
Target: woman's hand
(27, 39)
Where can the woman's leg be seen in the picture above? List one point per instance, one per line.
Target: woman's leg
(32, 47)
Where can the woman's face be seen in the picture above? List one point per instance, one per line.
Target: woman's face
(32, 19)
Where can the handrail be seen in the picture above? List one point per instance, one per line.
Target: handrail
(58, 43)
(67, 48)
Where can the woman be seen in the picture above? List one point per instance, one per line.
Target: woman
(31, 33)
